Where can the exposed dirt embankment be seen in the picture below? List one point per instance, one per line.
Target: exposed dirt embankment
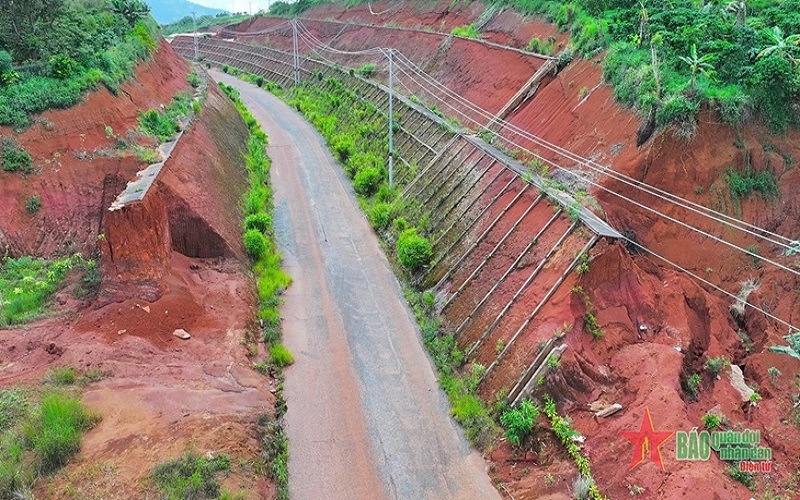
(174, 260)
(76, 161)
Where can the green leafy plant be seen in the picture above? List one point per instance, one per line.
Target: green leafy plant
(15, 159)
(280, 355)
(261, 222)
(746, 478)
(255, 244)
(468, 31)
(711, 421)
(715, 366)
(33, 204)
(413, 251)
(692, 385)
(519, 421)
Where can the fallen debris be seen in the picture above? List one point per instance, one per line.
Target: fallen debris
(181, 334)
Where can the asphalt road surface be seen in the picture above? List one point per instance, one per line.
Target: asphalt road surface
(366, 418)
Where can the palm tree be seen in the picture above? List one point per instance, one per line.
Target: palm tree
(781, 46)
(738, 7)
(698, 65)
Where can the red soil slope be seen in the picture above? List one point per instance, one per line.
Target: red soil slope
(171, 261)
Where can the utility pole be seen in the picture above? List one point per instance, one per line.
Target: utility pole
(196, 46)
(296, 54)
(391, 120)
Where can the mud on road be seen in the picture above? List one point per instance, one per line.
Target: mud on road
(366, 417)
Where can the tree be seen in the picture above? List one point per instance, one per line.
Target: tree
(781, 46)
(24, 26)
(697, 65)
(132, 10)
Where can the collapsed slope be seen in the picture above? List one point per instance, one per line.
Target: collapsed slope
(172, 261)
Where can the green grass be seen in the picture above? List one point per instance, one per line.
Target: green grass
(15, 158)
(745, 183)
(166, 124)
(37, 437)
(190, 476)
(280, 356)
(27, 284)
(467, 30)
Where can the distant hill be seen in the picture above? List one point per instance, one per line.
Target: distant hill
(169, 11)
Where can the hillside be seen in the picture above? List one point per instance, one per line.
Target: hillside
(169, 11)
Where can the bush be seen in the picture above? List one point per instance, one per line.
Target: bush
(261, 222)
(63, 67)
(467, 30)
(692, 385)
(519, 421)
(33, 204)
(677, 110)
(194, 79)
(56, 428)
(280, 355)
(343, 146)
(714, 366)
(743, 184)
(380, 216)
(366, 70)
(16, 159)
(255, 244)
(413, 251)
(711, 421)
(367, 181)
(190, 477)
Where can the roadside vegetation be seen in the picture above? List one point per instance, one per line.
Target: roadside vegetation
(259, 243)
(54, 51)
(27, 284)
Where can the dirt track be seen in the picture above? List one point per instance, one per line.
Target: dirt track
(366, 418)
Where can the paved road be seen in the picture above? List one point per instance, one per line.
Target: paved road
(366, 418)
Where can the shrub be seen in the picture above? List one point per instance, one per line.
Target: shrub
(343, 146)
(413, 251)
(261, 222)
(33, 204)
(743, 184)
(519, 421)
(16, 159)
(711, 421)
(380, 216)
(715, 366)
(255, 244)
(692, 385)
(63, 67)
(56, 428)
(366, 70)
(746, 478)
(280, 355)
(467, 30)
(190, 476)
(367, 181)
(194, 79)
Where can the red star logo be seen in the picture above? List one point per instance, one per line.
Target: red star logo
(646, 438)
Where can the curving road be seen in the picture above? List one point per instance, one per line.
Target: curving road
(366, 418)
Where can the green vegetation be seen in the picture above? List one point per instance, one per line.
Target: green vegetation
(538, 46)
(366, 70)
(33, 204)
(26, 284)
(519, 422)
(562, 427)
(590, 323)
(711, 421)
(190, 476)
(673, 56)
(166, 124)
(746, 478)
(715, 366)
(63, 48)
(280, 356)
(271, 280)
(743, 184)
(467, 30)
(14, 158)
(186, 24)
(37, 437)
(413, 251)
(692, 386)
